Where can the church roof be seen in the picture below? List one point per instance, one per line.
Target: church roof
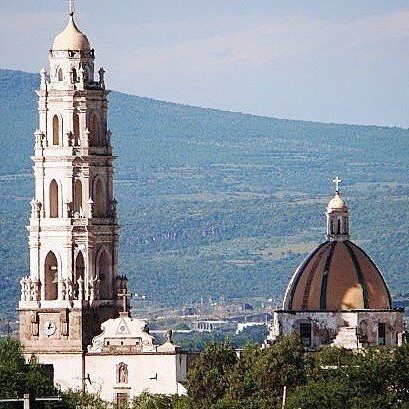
(71, 38)
(123, 334)
(337, 275)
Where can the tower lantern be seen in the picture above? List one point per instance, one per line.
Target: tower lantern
(337, 216)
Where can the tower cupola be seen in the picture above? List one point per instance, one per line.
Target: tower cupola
(72, 59)
(337, 216)
(71, 38)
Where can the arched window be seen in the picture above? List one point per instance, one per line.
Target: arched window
(76, 123)
(78, 196)
(53, 198)
(339, 226)
(74, 75)
(94, 135)
(104, 275)
(56, 130)
(99, 199)
(51, 276)
(60, 75)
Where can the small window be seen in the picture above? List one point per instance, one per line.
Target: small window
(74, 75)
(305, 334)
(56, 130)
(60, 75)
(381, 333)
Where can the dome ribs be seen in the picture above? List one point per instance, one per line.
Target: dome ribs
(307, 289)
(324, 282)
(294, 282)
(369, 260)
(359, 274)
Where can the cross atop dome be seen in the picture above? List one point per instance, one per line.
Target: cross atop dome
(71, 5)
(337, 182)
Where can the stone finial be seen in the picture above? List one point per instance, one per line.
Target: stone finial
(35, 209)
(43, 76)
(114, 205)
(81, 74)
(101, 73)
(70, 139)
(94, 289)
(23, 289)
(68, 209)
(85, 140)
(35, 290)
(39, 139)
(90, 204)
(80, 283)
(169, 336)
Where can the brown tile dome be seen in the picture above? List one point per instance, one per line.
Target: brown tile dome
(338, 275)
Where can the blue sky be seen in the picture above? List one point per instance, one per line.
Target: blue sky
(331, 61)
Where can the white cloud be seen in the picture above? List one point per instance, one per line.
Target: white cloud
(275, 40)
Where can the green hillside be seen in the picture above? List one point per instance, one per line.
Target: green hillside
(217, 203)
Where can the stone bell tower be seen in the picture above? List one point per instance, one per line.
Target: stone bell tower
(73, 284)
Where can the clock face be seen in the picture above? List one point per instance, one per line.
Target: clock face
(49, 328)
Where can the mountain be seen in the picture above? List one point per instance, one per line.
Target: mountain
(216, 203)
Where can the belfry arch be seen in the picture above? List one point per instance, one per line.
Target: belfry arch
(104, 273)
(78, 197)
(99, 198)
(94, 130)
(53, 199)
(76, 129)
(51, 277)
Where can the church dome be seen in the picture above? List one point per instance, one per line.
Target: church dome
(338, 275)
(71, 39)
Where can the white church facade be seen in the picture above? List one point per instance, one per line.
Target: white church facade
(74, 292)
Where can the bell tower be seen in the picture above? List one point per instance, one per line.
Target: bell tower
(73, 284)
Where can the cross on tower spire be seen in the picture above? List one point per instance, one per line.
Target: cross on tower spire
(71, 4)
(337, 182)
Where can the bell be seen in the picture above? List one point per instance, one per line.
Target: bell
(54, 269)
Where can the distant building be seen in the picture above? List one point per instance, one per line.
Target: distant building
(213, 325)
(74, 288)
(241, 326)
(337, 295)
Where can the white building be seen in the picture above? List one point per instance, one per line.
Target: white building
(338, 295)
(74, 287)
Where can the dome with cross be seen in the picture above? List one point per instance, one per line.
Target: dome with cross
(337, 275)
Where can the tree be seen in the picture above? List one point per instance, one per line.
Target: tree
(208, 377)
(17, 377)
